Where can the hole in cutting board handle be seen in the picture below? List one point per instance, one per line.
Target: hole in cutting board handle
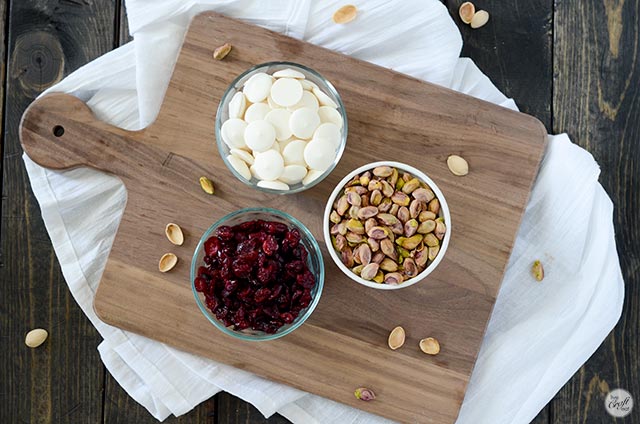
(58, 130)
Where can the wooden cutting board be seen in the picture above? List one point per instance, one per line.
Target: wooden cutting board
(344, 343)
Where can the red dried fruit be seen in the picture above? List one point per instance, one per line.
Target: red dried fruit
(255, 275)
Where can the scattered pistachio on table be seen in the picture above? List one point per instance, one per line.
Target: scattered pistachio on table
(396, 338)
(174, 234)
(345, 14)
(537, 270)
(222, 51)
(386, 225)
(365, 394)
(167, 262)
(36, 337)
(430, 346)
(458, 165)
(207, 185)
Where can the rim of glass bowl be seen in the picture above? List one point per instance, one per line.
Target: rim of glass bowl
(319, 284)
(444, 206)
(222, 146)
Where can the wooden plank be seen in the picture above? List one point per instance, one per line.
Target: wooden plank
(120, 408)
(514, 50)
(3, 74)
(596, 91)
(123, 25)
(232, 410)
(467, 281)
(60, 381)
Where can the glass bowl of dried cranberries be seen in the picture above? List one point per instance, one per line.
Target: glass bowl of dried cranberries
(257, 274)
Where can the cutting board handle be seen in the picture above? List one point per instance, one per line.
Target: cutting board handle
(59, 131)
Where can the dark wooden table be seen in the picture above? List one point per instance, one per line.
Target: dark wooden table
(572, 63)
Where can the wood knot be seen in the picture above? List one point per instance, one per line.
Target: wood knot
(37, 62)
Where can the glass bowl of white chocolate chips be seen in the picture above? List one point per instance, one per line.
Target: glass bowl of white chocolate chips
(281, 127)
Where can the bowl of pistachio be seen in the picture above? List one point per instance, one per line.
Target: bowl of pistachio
(387, 225)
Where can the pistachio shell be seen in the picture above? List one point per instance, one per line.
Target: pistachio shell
(167, 262)
(430, 346)
(36, 337)
(396, 338)
(345, 14)
(480, 18)
(174, 234)
(466, 12)
(457, 165)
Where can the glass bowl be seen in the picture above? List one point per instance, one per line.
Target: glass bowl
(444, 212)
(314, 261)
(222, 115)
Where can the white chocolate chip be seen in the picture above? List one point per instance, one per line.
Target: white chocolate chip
(328, 133)
(329, 114)
(308, 85)
(243, 154)
(323, 99)
(254, 174)
(307, 100)
(269, 165)
(257, 87)
(232, 132)
(303, 122)
(240, 166)
(279, 118)
(293, 174)
(288, 73)
(311, 176)
(237, 105)
(272, 104)
(286, 91)
(274, 185)
(319, 155)
(256, 112)
(293, 153)
(260, 136)
(284, 143)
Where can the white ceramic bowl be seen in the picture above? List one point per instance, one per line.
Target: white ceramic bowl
(444, 212)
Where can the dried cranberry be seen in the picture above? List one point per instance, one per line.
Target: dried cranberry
(287, 317)
(262, 295)
(246, 227)
(200, 284)
(275, 227)
(211, 246)
(230, 286)
(292, 237)
(270, 245)
(241, 268)
(225, 233)
(306, 279)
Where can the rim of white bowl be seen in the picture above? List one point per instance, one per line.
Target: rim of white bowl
(444, 206)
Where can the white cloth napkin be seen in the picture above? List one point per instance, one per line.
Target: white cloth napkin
(539, 333)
